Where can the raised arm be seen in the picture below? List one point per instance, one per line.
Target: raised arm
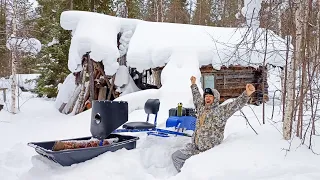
(197, 98)
(239, 103)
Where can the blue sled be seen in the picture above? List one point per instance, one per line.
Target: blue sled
(154, 131)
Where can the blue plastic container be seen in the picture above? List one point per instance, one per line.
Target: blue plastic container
(183, 122)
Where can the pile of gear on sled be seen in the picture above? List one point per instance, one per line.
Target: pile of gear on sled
(106, 118)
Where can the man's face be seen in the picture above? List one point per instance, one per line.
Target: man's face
(208, 99)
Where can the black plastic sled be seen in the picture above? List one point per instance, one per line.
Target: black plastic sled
(74, 156)
(106, 116)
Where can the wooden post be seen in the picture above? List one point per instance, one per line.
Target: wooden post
(91, 76)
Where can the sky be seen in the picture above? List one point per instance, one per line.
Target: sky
(34, 3)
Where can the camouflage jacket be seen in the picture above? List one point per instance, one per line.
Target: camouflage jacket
(213, 118)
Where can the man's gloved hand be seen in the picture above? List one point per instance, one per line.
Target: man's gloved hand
(250, 89)
(193, 80)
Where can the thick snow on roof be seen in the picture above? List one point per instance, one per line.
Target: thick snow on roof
(95, 33)
(152, 43)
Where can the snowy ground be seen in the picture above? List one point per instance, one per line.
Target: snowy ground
(243, 155)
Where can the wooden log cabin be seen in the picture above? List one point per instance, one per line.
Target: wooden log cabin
(229, 81)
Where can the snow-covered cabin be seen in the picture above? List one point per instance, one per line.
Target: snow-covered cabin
(129, 49)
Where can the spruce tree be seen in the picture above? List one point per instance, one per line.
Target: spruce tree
(178, 12)
(202, 14)
(52, 62)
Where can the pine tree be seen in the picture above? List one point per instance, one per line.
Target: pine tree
(133, 8)
(202, 14)
(129, 8)
(227, 13)
(53, 59)
(178, 12)
(156, 10)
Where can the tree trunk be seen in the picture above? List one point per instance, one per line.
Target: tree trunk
(14, 62)
(71, 4)
(300, 55)
(288, 111)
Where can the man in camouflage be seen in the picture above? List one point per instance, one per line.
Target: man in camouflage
(211, 121)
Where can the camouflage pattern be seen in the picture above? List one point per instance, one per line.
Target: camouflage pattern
(210, 125)
(210, 132)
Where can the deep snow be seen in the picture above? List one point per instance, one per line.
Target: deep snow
(242, 155)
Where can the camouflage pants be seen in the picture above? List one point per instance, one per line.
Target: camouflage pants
(180, 156)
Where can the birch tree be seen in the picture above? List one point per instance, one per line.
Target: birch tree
(156, 10)
(13, 61)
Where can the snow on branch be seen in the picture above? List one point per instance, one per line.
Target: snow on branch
(27, 45)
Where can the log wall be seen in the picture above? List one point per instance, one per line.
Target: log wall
(231, 81)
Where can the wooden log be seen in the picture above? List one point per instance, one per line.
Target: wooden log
(229, 92)
(83, 88)
(63, 105)
(234, 76)
(77, 144)
(73, 101)
(91, 77)
(102, 93)
(86, 99)
(111, 88)
(99, 68)
(235, 81)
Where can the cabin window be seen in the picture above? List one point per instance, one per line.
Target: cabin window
(207, 81)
